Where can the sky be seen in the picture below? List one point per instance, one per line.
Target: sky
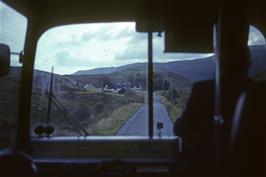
(86, 46)
(12, 30)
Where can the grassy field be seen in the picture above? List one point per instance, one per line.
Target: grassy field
(100, 113)
(111, 124)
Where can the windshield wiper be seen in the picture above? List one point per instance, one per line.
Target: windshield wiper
(52, 98)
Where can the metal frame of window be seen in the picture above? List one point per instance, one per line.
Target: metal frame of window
(150, 84)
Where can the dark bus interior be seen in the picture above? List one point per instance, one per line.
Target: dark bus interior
(235, 136)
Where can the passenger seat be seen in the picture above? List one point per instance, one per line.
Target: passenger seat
(247, 155)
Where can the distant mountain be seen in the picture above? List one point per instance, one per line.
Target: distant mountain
(203, 69)
(107, 70)
(191, 69)
(198, 69)
(195, 70)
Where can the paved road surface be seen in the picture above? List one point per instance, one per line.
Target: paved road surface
(137, 125)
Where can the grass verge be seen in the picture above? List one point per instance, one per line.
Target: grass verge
(111, 124)
(174, 111)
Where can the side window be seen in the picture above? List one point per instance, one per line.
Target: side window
(258, 54)
(12, 32)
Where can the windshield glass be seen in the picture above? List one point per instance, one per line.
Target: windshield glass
(91, 79)
(99, 79)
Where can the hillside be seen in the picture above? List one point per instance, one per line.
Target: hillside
(172, 80)
(100, 113)
(173, 89)
(195, 70)
(108, 70)
(203, 69)
(135, 77)
(198, 69)
(88, 108)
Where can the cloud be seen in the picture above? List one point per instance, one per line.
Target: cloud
(137, 49)
(82, 59)
(108, 31)
(66, 59)
(101, 34)
(63, 58)
(87, 36)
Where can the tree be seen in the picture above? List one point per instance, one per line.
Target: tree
(105, 80)
(131, 79)
(140, 81)
(174, 94)
(166, 85)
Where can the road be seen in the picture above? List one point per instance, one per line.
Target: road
(137, 125)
